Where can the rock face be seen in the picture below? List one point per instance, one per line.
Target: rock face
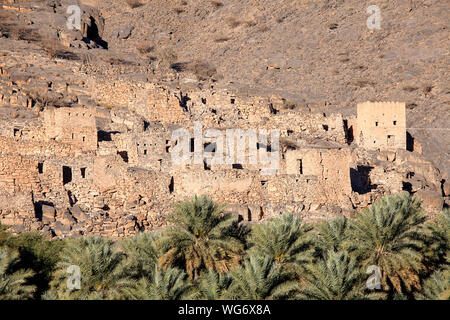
(96, 142)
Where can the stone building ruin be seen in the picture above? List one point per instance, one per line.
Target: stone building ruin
(381, 125)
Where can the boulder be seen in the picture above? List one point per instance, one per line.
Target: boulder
(60, 229)
(66, 218)
(431, 200)
(78, 213)
(48, 214)
(123, 32)
(446, 188)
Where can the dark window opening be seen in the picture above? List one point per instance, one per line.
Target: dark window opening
(67, 174)
(348, 132)
(409, 142)
(73, 136)
(237, 166)
(40, 167)
(249, 214)
(16, 132)
(325, 127)
(300, 165)
(263, 182)
(406, 186)
(376, 124)
(410, 175)
(123, 155)
(390, 140)
(204, 100)
(83, 173)
(171, 185)
(146, 125)
(289, 132)
(214, 111)
(395, 123)
(192, 144)
(233, 100)
(145, 152)
(84, 139)
(167, 146)
(206, 166)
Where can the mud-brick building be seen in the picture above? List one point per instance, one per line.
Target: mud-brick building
(381, 125)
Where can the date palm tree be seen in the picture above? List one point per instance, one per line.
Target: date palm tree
(436, 287)
(141, 254)
(334, 277)
(101, 270)
(260, 278)
(390, 235)
(285, 239)
(437, 242)
(212, 285)
(169, 284)
(202, 237)
(332, 235)
(13, 283)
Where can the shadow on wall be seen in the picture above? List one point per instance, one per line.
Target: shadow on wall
(92, 34)
(105, 135)
(38, 208)
(360, 179)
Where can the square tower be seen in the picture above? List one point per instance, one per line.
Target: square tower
(75, 126)
(381, 125)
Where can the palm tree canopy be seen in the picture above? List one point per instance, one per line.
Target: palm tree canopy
(142, 254)
(169, 284)
(390, 235)
(260, 278)
(335, 277)
(332, 235)
(100, 265)
(204, 238)
(13, 284)
(212, 285)
(286, 239)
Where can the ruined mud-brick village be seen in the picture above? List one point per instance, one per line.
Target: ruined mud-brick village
(147, 114)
